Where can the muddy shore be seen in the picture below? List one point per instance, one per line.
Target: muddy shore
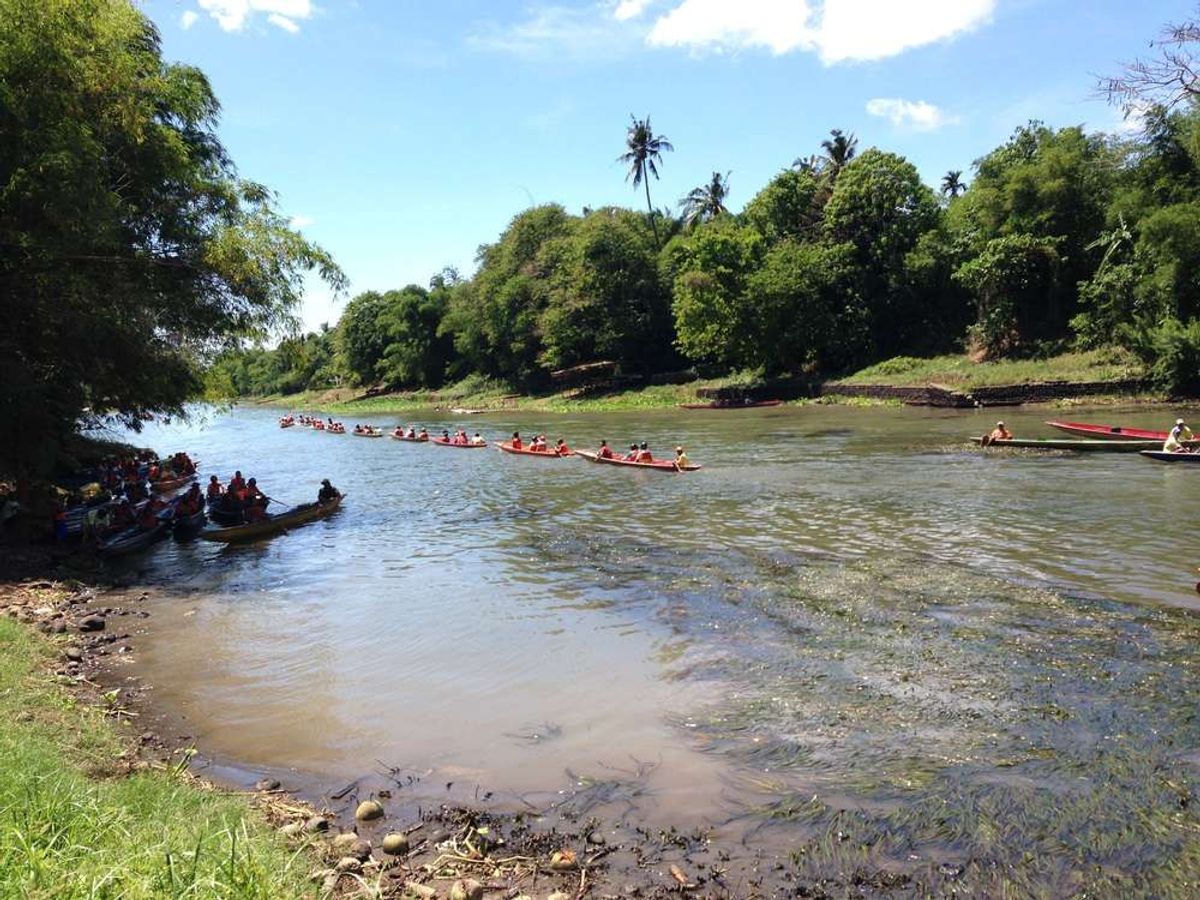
(371, 834)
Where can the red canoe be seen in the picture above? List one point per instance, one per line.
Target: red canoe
(661, 465)
(442, 442)
(731, 404)
(507, 447)
(1109, 432)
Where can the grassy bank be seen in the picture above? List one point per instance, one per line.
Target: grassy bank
(954, 371)
(957, 371)
(79, 819)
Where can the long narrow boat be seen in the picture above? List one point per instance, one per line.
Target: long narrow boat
(411, 440)
(1109, 432)
(1168, 456)
(164, 485)
(507, 447)
(659, 465)
(731, 404)
(296, 516)
(1130, 446)
(442, 442)
(374, 432)
(187, 527)
(133, 539)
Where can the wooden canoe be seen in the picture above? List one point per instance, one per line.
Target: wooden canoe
(187, 527)
(164, 485)
(1082, 444)
(1168, 456)
(442, 442)
(507, 447)
(1109, 432)
(291, 518)
(732, 404)
(659, 465)
(133, 539)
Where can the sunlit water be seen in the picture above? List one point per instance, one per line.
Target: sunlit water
(847, 599)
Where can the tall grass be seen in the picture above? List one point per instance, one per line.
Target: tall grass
(75, 823)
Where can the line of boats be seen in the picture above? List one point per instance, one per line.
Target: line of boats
(1102, 439)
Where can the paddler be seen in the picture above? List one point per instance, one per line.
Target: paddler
(1176, 438)
(327, 492)
(681, 459)
(999, 433)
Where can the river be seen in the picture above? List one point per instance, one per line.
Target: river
(850, 619)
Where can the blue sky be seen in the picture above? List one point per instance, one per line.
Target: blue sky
(401, 134)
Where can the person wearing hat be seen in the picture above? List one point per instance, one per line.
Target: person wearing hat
(328, 492)
(999, 433)
(1175, 442)
(681, 459)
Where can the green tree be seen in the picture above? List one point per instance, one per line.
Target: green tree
(643, 155)
(703, 204)
(361, 337)
(788, 207)
(130, 248)
(416, 353)
(839, 150)
(952, 183)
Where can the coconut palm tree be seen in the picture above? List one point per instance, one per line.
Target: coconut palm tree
(644, 153)
(707, 202)
(813, 163)
(839, 150)
(952, 183)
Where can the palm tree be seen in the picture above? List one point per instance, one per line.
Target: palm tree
(839, 150)
(707, 202)
(644, 153)
(813, 163)
(952, 183)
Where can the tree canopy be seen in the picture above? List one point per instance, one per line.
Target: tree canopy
(130, 249)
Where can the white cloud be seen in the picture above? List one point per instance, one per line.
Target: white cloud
(839, 30)
(288, 25)
(232, 15)
(557, 32)
(875, 29)
(188, 19)
(917, 115)
(630, 9)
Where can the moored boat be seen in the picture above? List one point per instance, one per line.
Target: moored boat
(1108, 432)
(133, 539)
(732, 404)
(660, 465)
(507, 447)
(165, 485)
(187, 527)
(271, 525)
(1169, 456)
(1079, 444)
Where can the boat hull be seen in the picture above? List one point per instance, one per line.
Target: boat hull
(730, 404)
(1077, 444)
(657, 466)
(507, 447)
(1168, 456)
(277, 524)
(1108, 432)
(444, 443)
(410, 440)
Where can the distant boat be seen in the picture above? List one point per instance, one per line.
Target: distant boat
(732, 404)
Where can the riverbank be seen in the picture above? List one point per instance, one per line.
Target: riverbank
(1098, 376)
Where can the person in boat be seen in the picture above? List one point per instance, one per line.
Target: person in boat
(423, 434)
(190, 503)
(237, 484)
(517, 444)
(445, 435)
(605, 451)
(215, 490)
(999, 433)
(327, 492)
(643, 454)
(256, 510)
(632, 455)
(539, 444)
(478, 441)
(561, 448)
(148, 520)
(1177, 438)
(681, 459)
(253, 495)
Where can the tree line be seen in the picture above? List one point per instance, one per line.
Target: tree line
(1062, 239)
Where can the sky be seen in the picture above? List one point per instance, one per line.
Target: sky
(402, 134)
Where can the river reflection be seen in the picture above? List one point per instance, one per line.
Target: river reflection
(844, 602)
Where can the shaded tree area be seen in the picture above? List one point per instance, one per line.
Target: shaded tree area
(130, 249)
(1060, 238)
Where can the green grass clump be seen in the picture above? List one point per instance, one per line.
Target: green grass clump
(960, 371)
(74, 823)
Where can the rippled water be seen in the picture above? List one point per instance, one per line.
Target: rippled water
(846, 601)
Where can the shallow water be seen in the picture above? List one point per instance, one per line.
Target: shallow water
(849, 605)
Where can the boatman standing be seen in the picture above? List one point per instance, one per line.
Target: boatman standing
(1175, 440)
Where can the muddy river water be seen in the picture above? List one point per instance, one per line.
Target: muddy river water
(850, 622)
